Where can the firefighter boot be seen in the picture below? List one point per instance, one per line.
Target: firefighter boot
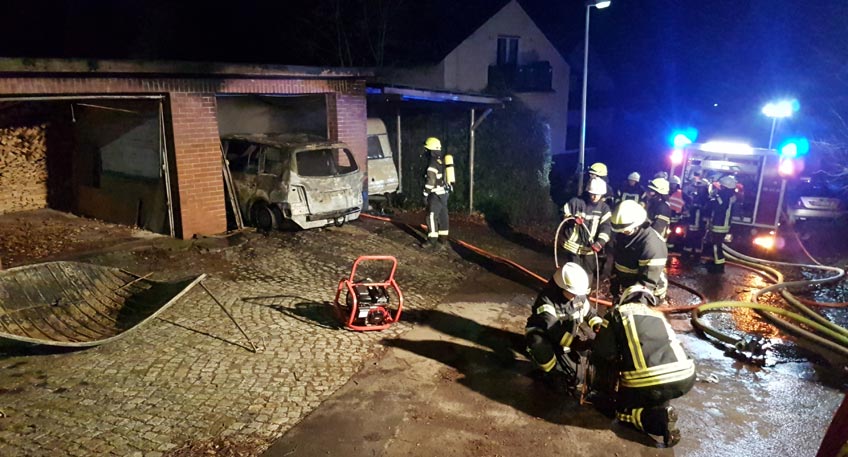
(671, 435)
(443, 241)
(430, 244)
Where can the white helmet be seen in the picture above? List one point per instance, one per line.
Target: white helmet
(676, 180)
(572, 278)
(597, 186)
(634, 177)
(636, 294)
(661, 174)
(628, 215)
(659, 185)
(728, 182)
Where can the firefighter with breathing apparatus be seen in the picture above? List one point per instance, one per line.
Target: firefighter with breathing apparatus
(640, 252)
(439, 182)
(560, 326)
(640, 365)
(659, 211)
(719, 210)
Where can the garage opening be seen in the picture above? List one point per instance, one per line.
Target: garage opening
(101, 157)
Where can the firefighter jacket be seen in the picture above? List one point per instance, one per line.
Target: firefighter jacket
(720, 209)
(628, 192)
(596, 226)
(639, 341)
(559, 321)
(640, 258)
(696, 199)
(435, 180)
(676, 203)
(659, 215)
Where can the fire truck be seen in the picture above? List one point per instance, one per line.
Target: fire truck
(761, 174)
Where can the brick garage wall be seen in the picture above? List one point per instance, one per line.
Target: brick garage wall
(196, 148)
(347, 122)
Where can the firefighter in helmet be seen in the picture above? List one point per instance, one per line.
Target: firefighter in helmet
(640, 252)
(659, 211)
(696, 198)
(438, 184)
(587, 229)
(637, 349)
(560, 326)
(599, 170)
(719, 210)
(631, 189)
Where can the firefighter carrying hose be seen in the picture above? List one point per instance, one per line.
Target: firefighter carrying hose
(588, 227)
(640, 252)
(636, 348)
(720, 209)
(659, 211)
(560, 326)
(438, 184)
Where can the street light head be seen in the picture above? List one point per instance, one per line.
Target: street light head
(781, 109)
(601, 4)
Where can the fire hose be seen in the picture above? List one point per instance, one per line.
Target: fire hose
(835, 337)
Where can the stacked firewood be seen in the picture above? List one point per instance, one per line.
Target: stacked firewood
(23, 168)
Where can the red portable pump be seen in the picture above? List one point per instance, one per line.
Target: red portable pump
(367, 303)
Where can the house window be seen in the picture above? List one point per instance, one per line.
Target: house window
(507, 50)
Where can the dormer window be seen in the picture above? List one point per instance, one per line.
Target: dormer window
(507, 50)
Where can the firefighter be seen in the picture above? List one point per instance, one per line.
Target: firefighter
(677, 204)
(631, 190)
(656, 202)
(640, 252)
(555, 330)
(599, 170)
(438, 184)
(637, 349)
(720, 209)
(697, 196)
(588, 227)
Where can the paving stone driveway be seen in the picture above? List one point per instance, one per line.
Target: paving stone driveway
(188, 376)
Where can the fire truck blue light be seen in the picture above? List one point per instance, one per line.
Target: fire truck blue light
(794, 147)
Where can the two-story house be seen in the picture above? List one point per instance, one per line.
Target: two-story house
(503, 50)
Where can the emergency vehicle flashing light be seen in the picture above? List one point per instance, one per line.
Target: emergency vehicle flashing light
(727, 147)
(786, 167)
(676, 157)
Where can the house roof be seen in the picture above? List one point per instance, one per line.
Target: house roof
(437, 27)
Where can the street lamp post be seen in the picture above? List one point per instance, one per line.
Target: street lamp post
(582, 152)
(777, 111)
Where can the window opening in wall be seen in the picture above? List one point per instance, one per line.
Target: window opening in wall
(508, 50)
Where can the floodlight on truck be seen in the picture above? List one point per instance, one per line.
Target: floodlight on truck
(727, 147)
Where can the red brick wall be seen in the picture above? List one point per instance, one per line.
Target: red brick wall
(347, 122)
(197, 154)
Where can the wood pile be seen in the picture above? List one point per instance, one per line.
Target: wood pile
(23, 168)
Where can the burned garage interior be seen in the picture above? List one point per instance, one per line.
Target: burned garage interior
(99, 157)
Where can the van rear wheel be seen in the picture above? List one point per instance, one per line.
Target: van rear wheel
(263, 217)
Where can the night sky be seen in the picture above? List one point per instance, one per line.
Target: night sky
(710, 64)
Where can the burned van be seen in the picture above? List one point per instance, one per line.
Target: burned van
(282, 179)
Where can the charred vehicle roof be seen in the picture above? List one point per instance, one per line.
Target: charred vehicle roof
(299, 141)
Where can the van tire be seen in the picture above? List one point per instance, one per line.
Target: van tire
(263, 217)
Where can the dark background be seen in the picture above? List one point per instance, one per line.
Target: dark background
(710, 64)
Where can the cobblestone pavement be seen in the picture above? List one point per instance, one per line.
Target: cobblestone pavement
(188, 376)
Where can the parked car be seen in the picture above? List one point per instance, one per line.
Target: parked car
(302, 179)
(382, 173)
(814, 199)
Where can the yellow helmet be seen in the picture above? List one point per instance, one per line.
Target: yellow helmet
(433, 144)
(659, 185)
(598, 169)
(627, 216)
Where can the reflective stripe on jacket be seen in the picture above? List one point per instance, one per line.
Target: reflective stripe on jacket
(596, 226)
(644, 346)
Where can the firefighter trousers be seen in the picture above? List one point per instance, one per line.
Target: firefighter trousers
(644, 407)
(437, 215)
(714, 245)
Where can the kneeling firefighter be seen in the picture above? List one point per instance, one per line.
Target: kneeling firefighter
(438, 184)
(560, 326)
(637, 349)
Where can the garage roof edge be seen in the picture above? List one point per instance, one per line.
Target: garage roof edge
(137, 67)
